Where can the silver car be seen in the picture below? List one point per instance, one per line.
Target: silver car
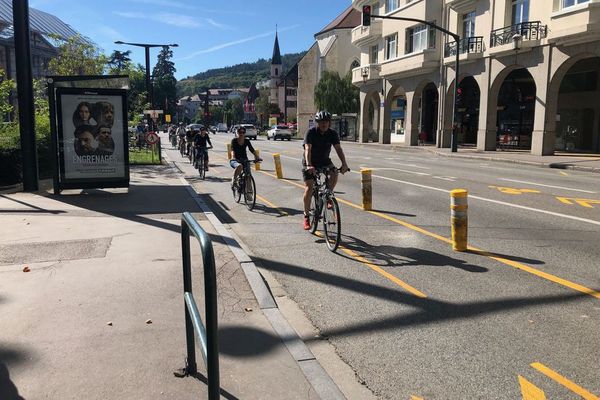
(251, 132)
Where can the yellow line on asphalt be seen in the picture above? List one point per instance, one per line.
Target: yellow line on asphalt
(416, 398)
(511, 263)
(530, 391)
(563, 173)
(564, 381)
(283, 213)
(380, 270)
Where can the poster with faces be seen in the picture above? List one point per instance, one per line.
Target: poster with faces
(93, 136)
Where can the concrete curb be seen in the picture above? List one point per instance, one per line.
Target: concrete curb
(316, 375)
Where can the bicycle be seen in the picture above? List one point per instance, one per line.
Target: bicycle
(244, 184)
(324, 205)
(201, 154)
(182, 146)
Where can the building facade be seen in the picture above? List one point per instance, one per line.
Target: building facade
(283, 85)
(333, 50)
(529, 71)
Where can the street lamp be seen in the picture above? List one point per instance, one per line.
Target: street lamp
(147, 48)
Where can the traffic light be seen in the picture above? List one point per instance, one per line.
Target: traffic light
(366, 15)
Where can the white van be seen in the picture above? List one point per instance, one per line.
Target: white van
(221, 127)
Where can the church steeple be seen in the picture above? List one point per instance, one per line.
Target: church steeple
(276, 59)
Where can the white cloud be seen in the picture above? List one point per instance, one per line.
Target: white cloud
(181, 21)
(233, 43)
(216, 24)
(109, 32)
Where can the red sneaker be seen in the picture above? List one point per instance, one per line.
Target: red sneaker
(306, 224)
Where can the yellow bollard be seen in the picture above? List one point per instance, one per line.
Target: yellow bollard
(459, 219)
(257, 165)
(277, 159)
(367, 193)
(229, 151)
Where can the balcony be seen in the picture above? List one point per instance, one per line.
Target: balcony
(461, 6)
(576, 24)
(363, 35)
(530, 35)
(411, 64)
(470, 45)
(359, 3)
(364, 74)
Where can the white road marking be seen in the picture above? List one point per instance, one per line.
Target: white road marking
(550, 186)
(401, 170)
(446, 178)
(589, 221)
(412, 165)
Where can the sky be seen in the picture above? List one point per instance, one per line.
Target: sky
(209, 34)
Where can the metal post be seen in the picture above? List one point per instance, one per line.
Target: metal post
(212, 348)
(459, 219)
(148, 82)
(25, 94)
(285, 100)
(191, 367)
(54, 137)
(277, 161)
(367, 192)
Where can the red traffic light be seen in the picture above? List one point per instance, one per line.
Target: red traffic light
(366, 15)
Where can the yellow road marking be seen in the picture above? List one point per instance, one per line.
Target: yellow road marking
(511, 263)
(379, 270)
(515, 191)
(587, 203)
(563, 173)
(564, 381)
(416, 398)
(283, 213)
(530, 391)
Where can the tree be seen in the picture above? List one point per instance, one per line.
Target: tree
(77, 56)
(119, 61)
(335, 94)
(165, 84)
(6, 86)
(264, 107)
(235, 110)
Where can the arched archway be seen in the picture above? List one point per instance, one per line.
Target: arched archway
(573, 112)
(370, 117)
(395, 110)
(424, 112)
(468, 104)
(513, 108)
(354, 64)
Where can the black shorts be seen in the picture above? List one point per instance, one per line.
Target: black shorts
(309, 176)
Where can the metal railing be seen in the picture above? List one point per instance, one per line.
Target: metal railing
(472, 44)
(528, 30)
(208, 337)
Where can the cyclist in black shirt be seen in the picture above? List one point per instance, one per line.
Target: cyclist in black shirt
(317, 148)
(238, 153)
(202, 141)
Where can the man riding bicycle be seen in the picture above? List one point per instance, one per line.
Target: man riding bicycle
(201, 145)
(317, 148)
(239, 154)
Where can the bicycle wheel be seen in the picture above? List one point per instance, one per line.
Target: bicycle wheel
(250, 192)
(332, 224)
(237, 190)
(315, 211)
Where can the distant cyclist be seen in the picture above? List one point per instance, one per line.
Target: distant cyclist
(317, 148)
(239, 154)
(202, 142)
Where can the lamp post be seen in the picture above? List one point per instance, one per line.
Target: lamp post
(147, 48)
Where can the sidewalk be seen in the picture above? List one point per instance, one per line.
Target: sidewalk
(570, 161)
(100, 315)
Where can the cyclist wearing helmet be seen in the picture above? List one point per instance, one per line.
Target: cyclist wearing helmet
(202, 141)
(317, 148)
(238, 153)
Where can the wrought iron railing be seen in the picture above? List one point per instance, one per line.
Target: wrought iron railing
(528, 31)
(472, 44)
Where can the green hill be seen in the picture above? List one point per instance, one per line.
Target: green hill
(236, 76)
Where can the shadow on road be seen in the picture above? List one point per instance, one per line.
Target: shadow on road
(395, 256)
(8, 390)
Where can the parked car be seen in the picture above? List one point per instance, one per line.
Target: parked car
(279, 132)
(251, 132)
(221, 127)
(194, 127)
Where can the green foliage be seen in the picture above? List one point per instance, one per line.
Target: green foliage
(77, 56)
(264, 107)
(6, 86)
(119, 61)
(336, 95)
(165, 84)
(234, 110)
(240, 75)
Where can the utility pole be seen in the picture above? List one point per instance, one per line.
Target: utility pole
(25, 94)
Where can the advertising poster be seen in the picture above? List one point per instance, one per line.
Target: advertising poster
(92, 127)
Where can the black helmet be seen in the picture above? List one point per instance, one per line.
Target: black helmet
(323, 116)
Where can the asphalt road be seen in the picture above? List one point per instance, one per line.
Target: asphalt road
(413, 318)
